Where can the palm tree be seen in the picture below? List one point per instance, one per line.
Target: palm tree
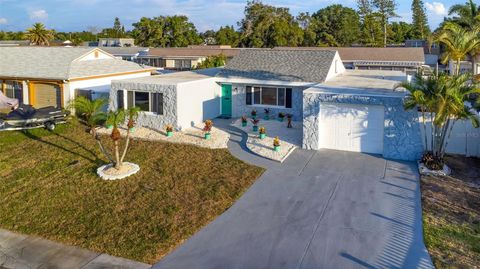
(39, 35)
(459, 43)
(421, 89)
(91, 112)
(116, 118)
(444, 98)
(468, 14)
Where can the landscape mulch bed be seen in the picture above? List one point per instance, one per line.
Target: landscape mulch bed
(451, 209)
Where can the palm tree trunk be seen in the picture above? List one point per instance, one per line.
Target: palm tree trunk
(458, 67)
(443, 136)
(126, 146)
(100, 145)
(118, 164)
(432, 118)
(448, 138)
(424, 130)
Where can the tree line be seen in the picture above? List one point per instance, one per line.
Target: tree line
(263, 25)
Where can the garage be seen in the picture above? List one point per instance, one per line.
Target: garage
(352, 127)
(46, 94)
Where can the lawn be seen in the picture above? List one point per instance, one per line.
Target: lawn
(451, 214)
(49, 188)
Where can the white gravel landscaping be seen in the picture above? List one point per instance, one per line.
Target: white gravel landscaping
(290, 138)
(194, 136)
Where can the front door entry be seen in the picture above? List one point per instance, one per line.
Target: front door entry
(226, 100)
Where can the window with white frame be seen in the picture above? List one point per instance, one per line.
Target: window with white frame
(269, 96)
(146, 101)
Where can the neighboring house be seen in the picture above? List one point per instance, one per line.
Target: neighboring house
(116, 42)
(53, 76)
(14, 43)
(354, 110)
(394, 58)
(127, 53)
(184, 58)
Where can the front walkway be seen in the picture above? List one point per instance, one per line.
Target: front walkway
(19, 251)
(319, 209)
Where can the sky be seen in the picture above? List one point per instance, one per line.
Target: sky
(78, 15)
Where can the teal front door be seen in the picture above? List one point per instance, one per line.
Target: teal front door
(226, 100)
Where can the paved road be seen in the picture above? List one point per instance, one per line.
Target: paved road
(319, 209)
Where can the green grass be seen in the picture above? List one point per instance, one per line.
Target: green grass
(48, 187)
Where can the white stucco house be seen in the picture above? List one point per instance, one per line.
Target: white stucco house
(53, 76)
(353, 110)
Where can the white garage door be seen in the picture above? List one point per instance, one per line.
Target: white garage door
(348, 127)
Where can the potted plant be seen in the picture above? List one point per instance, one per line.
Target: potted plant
(289, 120)
(267, 114)
(169, 130)
(255, 124)
(253, 114)
(207, 129)
(263, 132)
(281, 116)
(276, 144)
(244, 121)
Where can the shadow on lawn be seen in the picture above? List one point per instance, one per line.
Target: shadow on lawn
(94, 160)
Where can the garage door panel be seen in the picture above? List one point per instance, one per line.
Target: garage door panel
(348, 127)
(47, 95)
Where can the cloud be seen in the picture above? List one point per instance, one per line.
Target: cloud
(39, 14)
(3, 21)
(437, 8)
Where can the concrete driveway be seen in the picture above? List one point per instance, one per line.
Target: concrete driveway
(319, 209)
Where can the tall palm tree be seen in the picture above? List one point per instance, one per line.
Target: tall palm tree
(459, 43)
(468, 14)
(421, 90)
(444, 98)
(39, 35)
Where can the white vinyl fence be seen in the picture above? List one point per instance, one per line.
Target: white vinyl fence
(465, 140)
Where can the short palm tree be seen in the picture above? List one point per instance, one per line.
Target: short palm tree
(116, 118)
(91, 112)
(39, 35)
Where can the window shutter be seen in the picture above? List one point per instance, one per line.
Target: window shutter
(120, 103)
(288, 101)
(157, 103)
(248, 98)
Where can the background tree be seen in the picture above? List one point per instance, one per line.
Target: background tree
(371, 28)
(419, 20)
(308, 25)
(400, 31)
(117, 31)
(336, 26)
(208, 37)
(467, 15)
(227, 36)
(386, 11)
(170, 31)
(268, 26)
(39, 35)
(212, 61)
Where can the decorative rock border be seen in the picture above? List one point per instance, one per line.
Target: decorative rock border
(446, 171)
(192, 136)
(134, 168)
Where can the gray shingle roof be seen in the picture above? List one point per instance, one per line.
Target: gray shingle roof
(57, 63)
(282, 65)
